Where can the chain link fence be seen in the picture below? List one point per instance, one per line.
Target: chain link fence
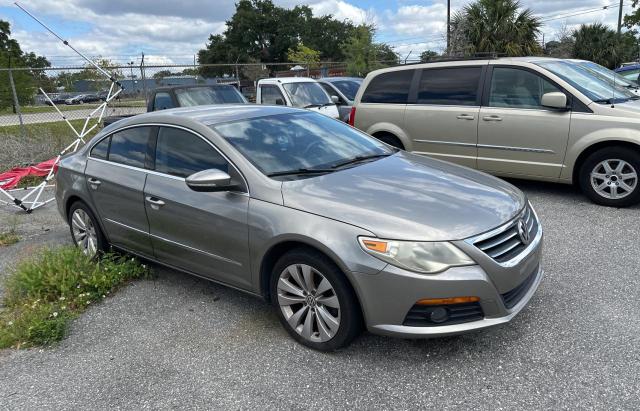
(32, 130)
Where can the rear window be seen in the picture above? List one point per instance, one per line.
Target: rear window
(391, 88)
(129, 146)
(200, 96)
(450, 86)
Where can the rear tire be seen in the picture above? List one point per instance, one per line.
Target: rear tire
(314, 300)
(390, 139)
(85, 230)
(609, 177)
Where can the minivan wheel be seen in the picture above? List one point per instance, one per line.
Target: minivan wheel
(85, 230)
(610, 177)
(314, 301)
(390, 139)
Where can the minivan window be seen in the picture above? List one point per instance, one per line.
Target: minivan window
(450, 86)
(391, 87)
(162, 101)
(101, 150)
(511, 87)
(181, 153)
(129, 146)
(270, 94)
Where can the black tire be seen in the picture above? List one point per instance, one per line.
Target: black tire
(630, 156)
(350, 324)
(390, 139)
(102, 244)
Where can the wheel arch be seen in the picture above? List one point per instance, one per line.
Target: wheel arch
(72, 199)
(587, 151)
(391, 129)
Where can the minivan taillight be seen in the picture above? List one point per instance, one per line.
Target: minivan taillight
(352, 116)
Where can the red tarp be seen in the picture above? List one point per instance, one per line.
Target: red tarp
(12, 177)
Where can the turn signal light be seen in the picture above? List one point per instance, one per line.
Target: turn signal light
(352, 116)
(379, 246)
(445, 301)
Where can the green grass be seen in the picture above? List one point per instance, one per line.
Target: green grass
(71, 107)
(44, 293)
(57, 129)
(8, 238)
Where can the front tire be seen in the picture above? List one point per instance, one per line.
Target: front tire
(314, 301)
(85, 230)
(609, 177)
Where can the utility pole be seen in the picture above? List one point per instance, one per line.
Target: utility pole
(620, 17)
(449, 26)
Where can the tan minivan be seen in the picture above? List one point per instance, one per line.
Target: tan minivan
(531, 117)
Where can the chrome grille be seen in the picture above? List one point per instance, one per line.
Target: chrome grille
(508, 243)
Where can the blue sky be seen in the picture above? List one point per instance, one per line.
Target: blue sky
(173, 31)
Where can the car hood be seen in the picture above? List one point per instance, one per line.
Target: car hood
(409, 197)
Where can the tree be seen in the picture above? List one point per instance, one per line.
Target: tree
(428, 55)
(633, 19)
(159, 75)
(26, 82)
(495, 26)
(304, 54)
(363, 55)
(603, 45)
(562, 46)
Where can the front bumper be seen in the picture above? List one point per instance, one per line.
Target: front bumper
(388, 297)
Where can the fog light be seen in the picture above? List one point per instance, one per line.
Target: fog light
(446, 301)
(439, 315)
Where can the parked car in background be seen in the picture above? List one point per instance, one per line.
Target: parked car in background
(336, 229)
(83, 98)
(345, 88)
(533, 117)
(630, 72)
(608, 75)
(301, 92)
(163, 98)
(58, 99)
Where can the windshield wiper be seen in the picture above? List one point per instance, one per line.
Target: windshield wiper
(312, 105)
(301, 171)
(359, 159)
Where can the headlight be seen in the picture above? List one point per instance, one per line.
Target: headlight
(421, 257)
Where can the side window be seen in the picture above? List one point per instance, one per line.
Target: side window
(511, 87)
(270, 94)
(450, 86)
(162, 101)
(391, 88)
(630, 74)
(101, 150)
(330, 91)
(181, 153)
(130, 146)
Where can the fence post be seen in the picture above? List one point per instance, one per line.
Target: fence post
(16, 103)
(144, 81)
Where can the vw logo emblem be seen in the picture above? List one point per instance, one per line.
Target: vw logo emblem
(523, 232)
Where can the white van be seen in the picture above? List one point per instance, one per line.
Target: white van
(301, 92)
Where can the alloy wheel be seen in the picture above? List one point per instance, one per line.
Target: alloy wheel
(614, 179)
(84, 232)
(309, 302)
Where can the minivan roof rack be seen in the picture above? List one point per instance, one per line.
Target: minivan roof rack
(476, 56)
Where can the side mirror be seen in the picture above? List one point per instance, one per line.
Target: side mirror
(209, 181)
(335, 99)
(279, 102)
(555, 100)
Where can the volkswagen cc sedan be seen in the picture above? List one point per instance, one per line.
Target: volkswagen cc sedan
(335, 228)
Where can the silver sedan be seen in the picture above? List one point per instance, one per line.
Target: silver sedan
(335, 228)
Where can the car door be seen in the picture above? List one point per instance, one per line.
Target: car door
(442, 116)
(271, 94)
(203, 232)
(516, 134)
(115, 175)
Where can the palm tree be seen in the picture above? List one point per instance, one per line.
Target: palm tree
(601, 44)
(497, 27)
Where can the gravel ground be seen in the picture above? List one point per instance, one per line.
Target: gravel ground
(179, 342)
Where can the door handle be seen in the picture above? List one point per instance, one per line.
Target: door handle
(465, 117)
(94, 183)
(156, 203)
(492, 118)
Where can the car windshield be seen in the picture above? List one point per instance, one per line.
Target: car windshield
(608, 75)
(293, 142)
(307, 94)
(200, 96)
(348, 87)
(592, 86)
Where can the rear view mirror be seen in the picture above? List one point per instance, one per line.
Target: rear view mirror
(209, 180)
(555, 100)
(335, 99)
(279, 102)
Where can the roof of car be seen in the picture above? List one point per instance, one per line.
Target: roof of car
(333, 79)
(284, 80)
(219, 113)
(166, 88)
(627, 68)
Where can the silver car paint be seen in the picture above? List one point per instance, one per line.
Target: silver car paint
(218, 247)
